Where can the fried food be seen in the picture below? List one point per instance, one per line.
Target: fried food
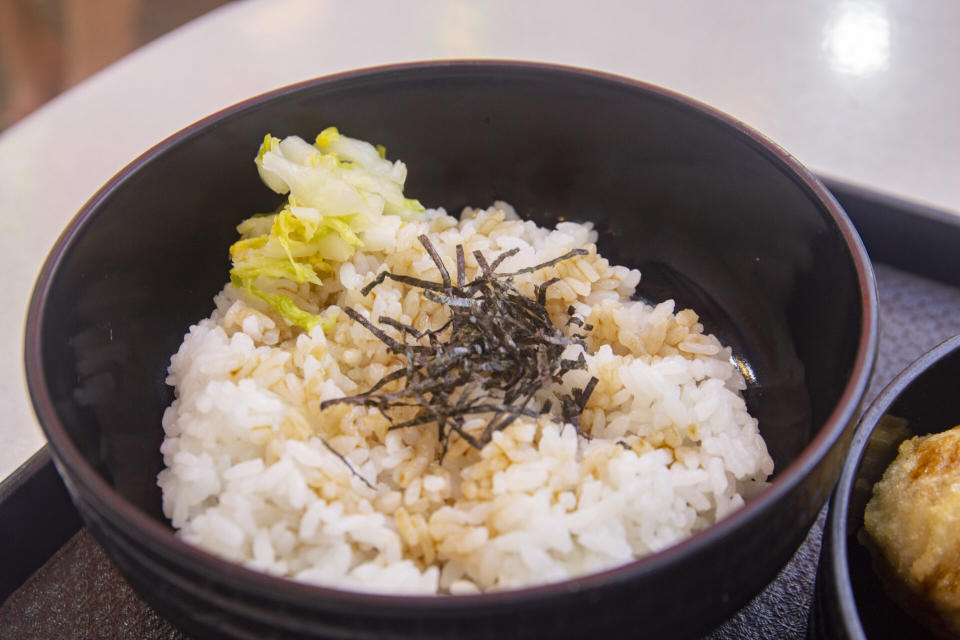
(914, 521)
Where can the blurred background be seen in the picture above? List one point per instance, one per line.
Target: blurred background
(47, 46)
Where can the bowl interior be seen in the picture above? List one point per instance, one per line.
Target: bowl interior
(713, 217)
(923, 401)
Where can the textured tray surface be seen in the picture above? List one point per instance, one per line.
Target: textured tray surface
(79, 593)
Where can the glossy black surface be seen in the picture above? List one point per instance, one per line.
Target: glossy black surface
(850, 602)
(914, 237)
(713, 215)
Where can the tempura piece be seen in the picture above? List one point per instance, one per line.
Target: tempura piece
(914, 521)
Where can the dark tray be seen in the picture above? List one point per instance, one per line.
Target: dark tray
(56, 581)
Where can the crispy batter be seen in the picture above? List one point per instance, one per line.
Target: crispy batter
(914, 520)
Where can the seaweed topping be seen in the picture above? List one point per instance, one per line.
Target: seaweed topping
(495, 352)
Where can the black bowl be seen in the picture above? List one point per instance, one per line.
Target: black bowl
(712, 213)
(850, 601)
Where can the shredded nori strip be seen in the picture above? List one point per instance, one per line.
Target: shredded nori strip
(347, 462)
(497, 350)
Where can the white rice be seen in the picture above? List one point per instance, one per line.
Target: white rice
(249, 477)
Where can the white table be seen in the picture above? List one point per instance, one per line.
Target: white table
(865, 91)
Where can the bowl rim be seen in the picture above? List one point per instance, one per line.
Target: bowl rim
(839, 509)
(157, 535)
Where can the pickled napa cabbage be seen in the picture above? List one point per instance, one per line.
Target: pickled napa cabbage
(342, 194)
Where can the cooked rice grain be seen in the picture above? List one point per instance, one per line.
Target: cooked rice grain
(250, 474)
